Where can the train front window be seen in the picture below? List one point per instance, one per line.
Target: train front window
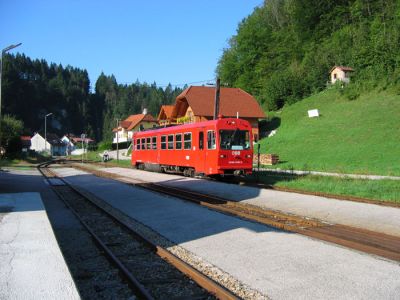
(234, 139)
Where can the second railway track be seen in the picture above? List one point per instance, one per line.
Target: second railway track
(355, 238)
(152, 271)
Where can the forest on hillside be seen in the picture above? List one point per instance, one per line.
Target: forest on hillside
(33, 88)
(285, 49)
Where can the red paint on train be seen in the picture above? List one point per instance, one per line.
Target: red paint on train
(217, 147)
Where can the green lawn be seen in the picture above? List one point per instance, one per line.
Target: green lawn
(360, 136)
(383, 190)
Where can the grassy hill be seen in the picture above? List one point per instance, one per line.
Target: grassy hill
(360, 136)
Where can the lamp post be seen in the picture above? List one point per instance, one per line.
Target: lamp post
(117, 140)
(45, 131)
(83, 148)
(1, 71)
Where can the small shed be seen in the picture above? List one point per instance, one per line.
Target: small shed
(341, 73)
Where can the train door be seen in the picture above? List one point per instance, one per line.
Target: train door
(201, 162)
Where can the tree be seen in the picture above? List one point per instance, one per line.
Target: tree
(11, 129)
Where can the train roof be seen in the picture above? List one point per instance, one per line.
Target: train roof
(190, 125)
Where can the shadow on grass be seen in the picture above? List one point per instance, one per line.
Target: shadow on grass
(266, 126)
(15, 160)
(272, 178)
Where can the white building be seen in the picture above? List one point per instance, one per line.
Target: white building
(38, 144)
(341, 73)
(53, 145)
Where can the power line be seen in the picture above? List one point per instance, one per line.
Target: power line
(207, 81)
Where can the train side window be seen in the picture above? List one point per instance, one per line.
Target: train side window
(170, 142)
(163, 142)
(148, 143)
(137, 144)
(187, 140)
(178, 141)
(211, 144)
(201, 140)
(143, 143)
(154, 143)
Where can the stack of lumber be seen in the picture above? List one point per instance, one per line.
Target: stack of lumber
(266, 159)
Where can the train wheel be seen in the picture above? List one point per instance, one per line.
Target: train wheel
(188, 172)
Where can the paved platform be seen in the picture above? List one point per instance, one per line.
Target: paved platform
(362, 215)
(279, 264)
(31, 263)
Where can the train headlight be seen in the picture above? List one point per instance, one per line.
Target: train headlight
(222, 156)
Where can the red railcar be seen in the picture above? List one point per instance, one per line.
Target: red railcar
(218, 147)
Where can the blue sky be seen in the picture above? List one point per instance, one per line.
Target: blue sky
(163, 41)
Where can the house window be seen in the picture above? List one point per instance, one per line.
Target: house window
(211, 139)
(170, 142)
(187, 140)
(148, 143)
(154, 143)
(143, 143)
(163, 142)
(178, 141)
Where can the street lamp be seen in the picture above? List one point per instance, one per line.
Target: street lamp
(45, 131)
(1, 71)
(118, 140)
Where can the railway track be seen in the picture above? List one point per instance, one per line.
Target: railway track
(150, 270)
(355, 238)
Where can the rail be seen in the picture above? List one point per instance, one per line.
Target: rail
(80, 202)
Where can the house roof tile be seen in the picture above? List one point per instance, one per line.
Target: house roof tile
(167, 109)
(343, 68)
(232, 101)
(133, 120)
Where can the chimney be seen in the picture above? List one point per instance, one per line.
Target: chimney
(145, 111)
(216, 104)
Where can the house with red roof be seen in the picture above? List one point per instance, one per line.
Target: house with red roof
(165, 114)
(341, 73)
(123, 133)
(196, 104)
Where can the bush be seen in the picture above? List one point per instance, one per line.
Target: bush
(104, 145)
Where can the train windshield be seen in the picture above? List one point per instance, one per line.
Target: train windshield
(234, 139)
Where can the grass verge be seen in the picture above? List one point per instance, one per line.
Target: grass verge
(381, 190)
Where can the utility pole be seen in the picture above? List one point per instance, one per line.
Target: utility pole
(117, 140)
(83, 149)
(216, 104)
(45, 131)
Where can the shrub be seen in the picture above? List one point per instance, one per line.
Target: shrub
(104, 145)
